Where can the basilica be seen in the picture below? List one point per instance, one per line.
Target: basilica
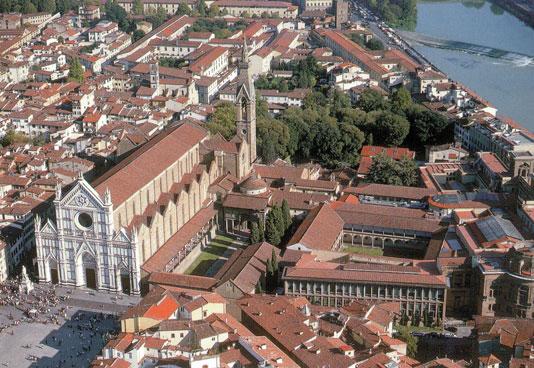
(148, 212)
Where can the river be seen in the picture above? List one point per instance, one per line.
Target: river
(509, 85)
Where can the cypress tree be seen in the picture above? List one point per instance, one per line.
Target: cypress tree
(261, 230)
(254, 233)
(286, 215)
(259, 289)
(274, 261)
(274, 226)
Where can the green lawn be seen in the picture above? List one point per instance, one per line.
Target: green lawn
(364, 250)
(209, 255)
(409, 329)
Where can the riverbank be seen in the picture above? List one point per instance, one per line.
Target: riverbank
(522, 9)
(506, 78)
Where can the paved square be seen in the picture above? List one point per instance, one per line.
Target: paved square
(56, 327)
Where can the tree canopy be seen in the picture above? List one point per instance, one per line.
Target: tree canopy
(76, 71)
(385, 170)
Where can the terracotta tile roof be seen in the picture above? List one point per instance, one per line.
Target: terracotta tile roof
(110, 363)
(395, 153)
(276, 172)
(297, 200)
(158, 304)
(396, 191)
(440, 363)
(489, 360)
(247, 266)
(238, 200)
(141, 167)
(491, 161)
(182, 280)
(373, 274)
(165, 255)
(382, 216)
(521, 363)
(320, 229)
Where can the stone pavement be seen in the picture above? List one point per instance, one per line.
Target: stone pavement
(69, 330)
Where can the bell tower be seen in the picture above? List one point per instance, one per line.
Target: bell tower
(154, 75)
(245, 104)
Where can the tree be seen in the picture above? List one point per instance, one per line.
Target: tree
(388, 128)
(183, 9)
(258, 289)
(416, 319)
(28, 7)
(407, 171)
(12, 137)
(261, 227)
(274, 226)
(158, 18)
(138, 8)
(425, 318)
(352, 139)
(269, 274)
(371, 100)
(76, 71)
(428, 128)
(374, 44)
(223, 120)
(255, 235)
(214, 11)
(201, 8)
(385, 170)
(117, 14)
(47, 6)
(286, 215)
(137, 35)
(410, 340)
(404, 319)
(401, 100)
(273, 137)
(274, 260)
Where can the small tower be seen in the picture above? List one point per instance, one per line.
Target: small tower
(154, 75)
(246, 104)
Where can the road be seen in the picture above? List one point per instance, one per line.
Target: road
(388, 36)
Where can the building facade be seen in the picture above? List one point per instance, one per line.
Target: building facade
(417, 292)
(146, 213)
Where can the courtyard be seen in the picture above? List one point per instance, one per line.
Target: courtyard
(211, 259)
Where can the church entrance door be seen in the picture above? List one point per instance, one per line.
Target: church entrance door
(90, 278)
(54, 276)
(125, 284)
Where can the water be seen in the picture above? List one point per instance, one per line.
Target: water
(509, 85)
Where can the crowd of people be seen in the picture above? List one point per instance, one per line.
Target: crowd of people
(79, 334)
(41, 305)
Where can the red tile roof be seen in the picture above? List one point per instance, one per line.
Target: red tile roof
(167, 253)
(145, 164)
(320, 229)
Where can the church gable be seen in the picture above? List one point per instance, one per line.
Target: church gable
(82, 196)
(121, 236)
(48, 228)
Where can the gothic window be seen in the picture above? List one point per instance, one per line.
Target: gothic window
(243, 109)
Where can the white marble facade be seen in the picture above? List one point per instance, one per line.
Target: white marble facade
(82, 248)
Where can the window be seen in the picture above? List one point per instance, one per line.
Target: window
(84, 221)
